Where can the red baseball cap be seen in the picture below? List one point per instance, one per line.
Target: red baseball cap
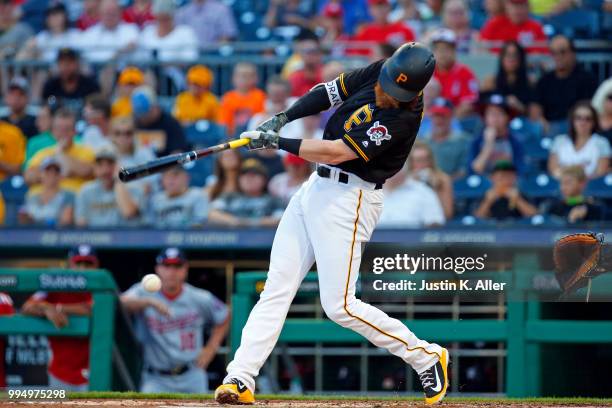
(374, 2)
(333, 10)
(441, 106)
(292, 159)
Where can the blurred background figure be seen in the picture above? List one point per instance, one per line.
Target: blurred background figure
(129, 79)
(284, 185)
(331, 22)
(410, 13)
(497, 141)
(69, 366)
(163, 40)
(582, 145)
(602, 102)
(177, 205)
(456, 17)
(69, 86)
(90, 15)
(573, 207)
(211, 20)
(197, 102)
(225, 177)
(558, 90)
(410, 203)
(12, 151)
(16, 99)
(155, 127)
(511, 80)
(13, 33)
(242, 102)
(97, 114)
(285, 13)
(44, 137)
(105, 202)
(309, 74)
(139, 12)
(52, 206)
(503, 201)
(458, 83)
(422, 166)
(251, 205)
(170, 325)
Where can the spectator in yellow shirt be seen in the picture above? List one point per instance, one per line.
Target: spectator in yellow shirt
(129, 79)
(197, 102)
(1, 210)
(76, 160)
(245, 100)
(12, 149)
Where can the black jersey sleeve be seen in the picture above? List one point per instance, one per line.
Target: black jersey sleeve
(372, 138)
(347, 83)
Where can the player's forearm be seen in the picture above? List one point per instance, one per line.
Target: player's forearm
(218, 334)
(326, 151)
(313, 102)
(35, 308)
(80, 309)
(134, 304)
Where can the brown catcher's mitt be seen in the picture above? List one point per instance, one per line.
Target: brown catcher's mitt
(577, 259)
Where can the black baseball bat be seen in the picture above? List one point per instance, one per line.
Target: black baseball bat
(167, 162)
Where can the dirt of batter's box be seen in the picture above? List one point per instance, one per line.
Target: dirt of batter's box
(144, 403)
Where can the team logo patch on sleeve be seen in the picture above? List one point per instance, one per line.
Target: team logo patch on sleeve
(378, 133)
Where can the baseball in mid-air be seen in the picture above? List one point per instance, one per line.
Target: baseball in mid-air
(151, 282)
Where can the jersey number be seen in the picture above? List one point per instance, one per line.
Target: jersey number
(187, 340)
(361, 115)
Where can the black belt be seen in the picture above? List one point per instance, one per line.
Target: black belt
(178, 370)
(343, 177)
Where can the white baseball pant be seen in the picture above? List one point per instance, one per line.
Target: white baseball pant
(327, 222)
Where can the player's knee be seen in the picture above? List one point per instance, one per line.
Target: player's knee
(336, 312)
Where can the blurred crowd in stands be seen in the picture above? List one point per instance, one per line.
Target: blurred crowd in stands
(519, 146)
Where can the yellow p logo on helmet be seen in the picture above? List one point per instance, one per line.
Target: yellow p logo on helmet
(401, 78)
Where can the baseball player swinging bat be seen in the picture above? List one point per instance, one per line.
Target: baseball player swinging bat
(329, 219)
(166, 162)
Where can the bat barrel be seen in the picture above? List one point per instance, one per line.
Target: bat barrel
(155, 166)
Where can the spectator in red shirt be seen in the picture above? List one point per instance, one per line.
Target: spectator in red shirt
(139, 13)
(310, 74)
(515, 25)
(457, 81)
(69, 366)
(6, 309)
(331, 21)
(380, 30)
(90, 15)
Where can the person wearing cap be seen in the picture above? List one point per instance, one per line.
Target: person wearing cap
(244, 100)
(503, 201)
(252, 205)
(448, 144)
(69, 366)
(105, 202)
(139, 13)
(110, 38)
(458, 83)
(165, 41)
(76, 160)
(97, 115)
(365, 142)
(332, 22)
(178, 205)
(197, 102)
(12, 149)
(51, 206)
(514, 25)
(284, 185)
(129, 79)
(69, 87)
(380, 30)
(497, 141)
(16, 99)
(170, 324)
(155, 127)
(13, 33)
(57, 35)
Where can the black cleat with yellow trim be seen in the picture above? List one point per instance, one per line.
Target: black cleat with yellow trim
(234, 392)
(435, 380)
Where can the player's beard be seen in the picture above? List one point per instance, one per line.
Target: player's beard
(384, 100)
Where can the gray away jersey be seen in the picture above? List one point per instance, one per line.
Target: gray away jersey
(172, 341)
(98, 206)
(187, 210)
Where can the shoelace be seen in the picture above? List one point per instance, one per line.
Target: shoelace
(427, 378)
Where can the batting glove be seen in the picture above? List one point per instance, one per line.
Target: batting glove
(274, 124)
(261, 140)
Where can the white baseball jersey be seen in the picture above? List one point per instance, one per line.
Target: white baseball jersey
(172, 341)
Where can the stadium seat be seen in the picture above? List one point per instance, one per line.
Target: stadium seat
(536, 154)
(13, 191)
(579, 23)
(526, 129)
(600, 188)
(200, 135)
(468, 191)
(538, 187)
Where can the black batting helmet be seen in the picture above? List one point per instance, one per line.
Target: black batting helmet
(407, 71)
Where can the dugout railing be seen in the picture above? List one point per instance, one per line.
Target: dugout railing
(99, 327)
(520, 325)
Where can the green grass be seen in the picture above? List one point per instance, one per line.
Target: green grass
(137, 395)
